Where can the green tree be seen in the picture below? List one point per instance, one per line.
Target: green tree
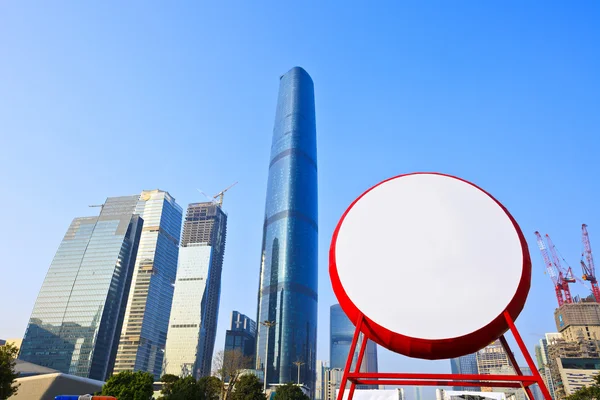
(247, 387)
(168, 380)
(210, 387)
(290, 391)
(129, 385)
(591, 392)
(185, 389)
(8, 355)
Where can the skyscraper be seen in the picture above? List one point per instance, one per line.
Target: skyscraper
(76, 321)
(193, 322)
(144, 333)
(241, 336)
(288, 272)
(466, 365)
(340, 340)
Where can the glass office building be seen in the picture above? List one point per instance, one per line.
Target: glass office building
(288, 272)
(193, 323)
(340, 334)
(144, 333)
(241, 336)
(466, 365)
(76, 321)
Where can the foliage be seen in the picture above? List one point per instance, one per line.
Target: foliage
(248, 387)
(129, 385)
(168, 380)
(175, 388)
(290, 391)
(210, 387)
(591, 392)
(8, 355)
(228, 365)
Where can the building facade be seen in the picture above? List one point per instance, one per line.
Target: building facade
(144, 332)
(341, 331)
(193, 323)
(288, 272)
(241, 336)
(320, 391)
(466, 365)
(75, 324)
(576, 373)
(577, 321)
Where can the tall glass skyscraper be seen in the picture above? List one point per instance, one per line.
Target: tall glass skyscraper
(193, 323)
(144, 333)
(340, 334)
(76, 321)
(288, 272)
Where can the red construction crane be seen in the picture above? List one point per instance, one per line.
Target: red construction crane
(589, 271)
(550, 268)
(564, 276)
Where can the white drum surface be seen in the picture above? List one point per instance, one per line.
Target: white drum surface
(429, 256)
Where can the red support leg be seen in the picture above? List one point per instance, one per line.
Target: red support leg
(350, 357)
(361, 354)
(528, 358)
(514, 364)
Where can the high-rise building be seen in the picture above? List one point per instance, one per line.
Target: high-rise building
(241, 336)
(576, 321)
(490, 358)
(76, 321)
(288, 273)
(340, 340)
(543, 360)
(466, 365)
(144, 333)
(320, 390)
(418, 393)
(193, 322)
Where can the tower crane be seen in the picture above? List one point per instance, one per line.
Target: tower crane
(550, 268)
(217, 199)
(565, 277)
(589, 270)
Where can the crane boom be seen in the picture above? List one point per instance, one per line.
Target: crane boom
(550, 269)
(564, 276)
(589, 270)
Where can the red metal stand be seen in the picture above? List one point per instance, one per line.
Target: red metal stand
(421, 379)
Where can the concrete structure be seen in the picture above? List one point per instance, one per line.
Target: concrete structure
(575, 373)
(193, 322)
(144, 333)
(442, 394)
(543, 360)
(333, 378)
(320, 390)
(75, 324)
(561, 349)
(288, 271)
(465, 365)
(241, 336)
(48, 386)
(490, 358)
(578, 320)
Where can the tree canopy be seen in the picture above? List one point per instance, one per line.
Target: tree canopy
(248, 387)
(129, 385)
(175, 388)
(8, 355)
(290, 391)
(228, 365)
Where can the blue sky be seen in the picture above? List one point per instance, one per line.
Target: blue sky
(111, 98)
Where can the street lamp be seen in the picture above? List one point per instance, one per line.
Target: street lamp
(268, 325)
(298, 364)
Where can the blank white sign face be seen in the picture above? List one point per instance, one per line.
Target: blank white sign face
(429, 256)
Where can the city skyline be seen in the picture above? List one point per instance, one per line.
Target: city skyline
(496, 94)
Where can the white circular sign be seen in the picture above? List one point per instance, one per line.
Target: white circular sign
(430, 257)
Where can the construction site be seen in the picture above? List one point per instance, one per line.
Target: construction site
(570, 359)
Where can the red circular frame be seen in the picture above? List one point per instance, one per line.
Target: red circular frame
(433, 349)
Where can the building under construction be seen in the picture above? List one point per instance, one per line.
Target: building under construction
(576, 321)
